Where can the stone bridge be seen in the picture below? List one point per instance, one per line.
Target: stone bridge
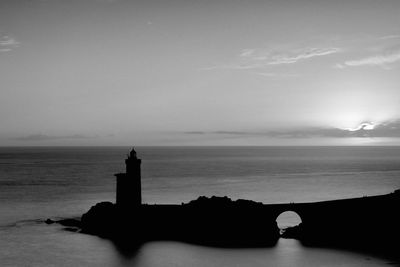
(344, 211)
(363, 219)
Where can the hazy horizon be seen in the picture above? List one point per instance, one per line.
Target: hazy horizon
(198, 146)
(167, 73)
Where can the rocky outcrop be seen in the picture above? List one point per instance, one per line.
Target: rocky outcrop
(214, 221)
(370, 223)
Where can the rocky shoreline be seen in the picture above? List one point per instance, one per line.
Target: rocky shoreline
(220, 221)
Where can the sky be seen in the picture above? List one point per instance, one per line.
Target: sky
(186, 72)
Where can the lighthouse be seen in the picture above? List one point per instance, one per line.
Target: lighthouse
(129, 188)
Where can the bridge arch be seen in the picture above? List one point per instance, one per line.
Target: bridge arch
(288, 218)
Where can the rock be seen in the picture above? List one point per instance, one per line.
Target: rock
(49, 221)
(70, 222)
(101, 219)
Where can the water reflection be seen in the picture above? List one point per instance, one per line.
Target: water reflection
(287, 252)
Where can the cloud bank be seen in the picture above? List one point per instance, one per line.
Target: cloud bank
(388, 129)
(44, 137)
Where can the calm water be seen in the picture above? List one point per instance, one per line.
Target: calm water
(38, 183)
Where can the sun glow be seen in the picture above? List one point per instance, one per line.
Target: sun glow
(356, 104)
(363, 126)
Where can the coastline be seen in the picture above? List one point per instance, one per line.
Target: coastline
(221, 222)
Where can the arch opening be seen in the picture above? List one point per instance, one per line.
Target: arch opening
(287, 220)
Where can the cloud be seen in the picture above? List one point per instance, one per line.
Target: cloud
(7, 43)
(247, 52)
(239, 66)
(256, 59)
(394, 36)
(278, 75)
(231, 132)
(382, 52)
(44, 137)
(301, 55)
(387, 129)
(378, 60)
(289, 56)
(195, 132)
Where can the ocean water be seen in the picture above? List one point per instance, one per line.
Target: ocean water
(37, 183)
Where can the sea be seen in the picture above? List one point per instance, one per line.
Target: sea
(37, 183)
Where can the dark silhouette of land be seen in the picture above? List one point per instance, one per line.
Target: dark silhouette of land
(368, 223)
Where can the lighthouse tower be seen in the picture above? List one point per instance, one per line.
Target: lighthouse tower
(129, 188)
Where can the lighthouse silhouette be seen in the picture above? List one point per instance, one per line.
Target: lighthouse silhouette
(129, 188)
